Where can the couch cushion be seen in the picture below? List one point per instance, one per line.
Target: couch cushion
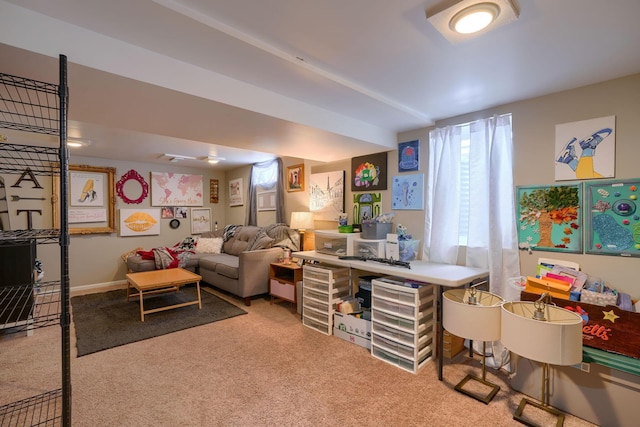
(223, 264)
(240, 241)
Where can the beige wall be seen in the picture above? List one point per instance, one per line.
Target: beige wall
(95, 259)
(534, 124)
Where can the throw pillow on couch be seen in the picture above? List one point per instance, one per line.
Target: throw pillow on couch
(209, 245)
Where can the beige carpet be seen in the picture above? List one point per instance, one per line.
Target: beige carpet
(260, 369)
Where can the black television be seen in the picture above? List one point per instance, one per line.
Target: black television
(17, 260)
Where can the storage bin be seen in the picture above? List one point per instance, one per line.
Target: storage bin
(327, 274)
(408, 249)
(407, 338)
(408, 325)
(316, 315)
(376, 230)
(369, 248)
(332, 242)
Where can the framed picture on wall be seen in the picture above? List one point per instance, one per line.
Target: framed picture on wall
(235, 192)
(295, 178)
(200, 220)
(408, 156)
(92, 203)
(369, 173)
(550, 217)
(326, 195)
(139, 222)
(612, 220)
(176, 189)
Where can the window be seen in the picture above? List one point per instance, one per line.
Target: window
(464, 194)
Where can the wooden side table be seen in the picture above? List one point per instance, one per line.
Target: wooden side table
(282, 281)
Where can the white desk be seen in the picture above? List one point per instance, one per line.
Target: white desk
(443, 275)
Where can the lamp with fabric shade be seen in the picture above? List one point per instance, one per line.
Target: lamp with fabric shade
(475, 315)
(558, 341)
(302, 221)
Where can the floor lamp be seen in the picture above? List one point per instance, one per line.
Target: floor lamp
(558, 341)
(475, 315)
(302, 221)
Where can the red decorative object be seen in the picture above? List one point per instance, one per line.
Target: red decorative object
(132, 174)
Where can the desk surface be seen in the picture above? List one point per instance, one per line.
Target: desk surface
(446, 275)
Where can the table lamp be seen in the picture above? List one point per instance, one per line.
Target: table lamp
(475, 315)
(302, 221)
(545, 333)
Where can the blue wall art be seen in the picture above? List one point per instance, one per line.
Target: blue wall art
(409, 156)
(613, 217)
(408, 192)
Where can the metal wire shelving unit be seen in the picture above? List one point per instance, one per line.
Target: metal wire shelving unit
(37, 107)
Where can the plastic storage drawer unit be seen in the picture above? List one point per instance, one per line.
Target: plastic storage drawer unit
(332, 242)
(402, 315)
(322, 288)
(369, 248)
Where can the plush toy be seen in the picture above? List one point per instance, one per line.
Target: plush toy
(38, 272)
(401, 231)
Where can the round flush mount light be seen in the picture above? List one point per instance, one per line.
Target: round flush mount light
(78, 142)
(215, 159)
(474, 18)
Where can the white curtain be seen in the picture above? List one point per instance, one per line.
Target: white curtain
(491, 237)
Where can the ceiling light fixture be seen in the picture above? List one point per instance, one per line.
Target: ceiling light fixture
(177, 157)
(78, 142)
(465, 19)
(214, 159)
(474, 18)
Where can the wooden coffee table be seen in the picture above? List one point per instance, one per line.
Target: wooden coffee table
(160, 281)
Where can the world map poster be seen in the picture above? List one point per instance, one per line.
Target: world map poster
(175, 189)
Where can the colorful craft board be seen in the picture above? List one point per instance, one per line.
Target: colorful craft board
(549, 217)
(612, 212)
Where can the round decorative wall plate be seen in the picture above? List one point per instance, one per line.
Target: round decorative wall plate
(174, 223)
(135, 176)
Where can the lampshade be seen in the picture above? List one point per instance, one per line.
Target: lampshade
(302, 220)
(556, 340)
(480, 321)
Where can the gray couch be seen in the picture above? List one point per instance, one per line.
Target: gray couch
(242, 267)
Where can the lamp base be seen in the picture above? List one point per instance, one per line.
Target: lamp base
(482, 398)
(524, 402)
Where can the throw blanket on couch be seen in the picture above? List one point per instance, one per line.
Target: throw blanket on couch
(166, 257)
(284, 236)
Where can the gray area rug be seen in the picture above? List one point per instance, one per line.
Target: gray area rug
(106, 320)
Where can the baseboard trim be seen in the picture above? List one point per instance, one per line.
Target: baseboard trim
(97, 287)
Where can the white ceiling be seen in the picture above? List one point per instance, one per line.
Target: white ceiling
(322, 80)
